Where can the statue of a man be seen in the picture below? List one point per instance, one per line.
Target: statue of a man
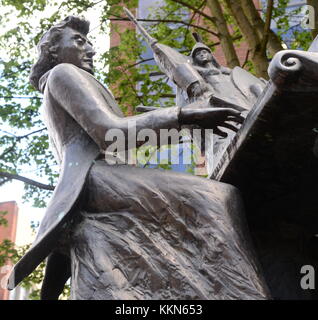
(234, 86)
(207, 66)
(221, 86)
(119, 231)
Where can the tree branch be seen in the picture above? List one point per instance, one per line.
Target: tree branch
(274, 42)
(224, 34)
(212, 19)
(18, 138)
(252, 38)
(29, 134)
(246, 58)
(4, 181)
(94, 4)
(164, 95)
(184, 51)
(9, 150)
(19, 97)
(24, 136)
(9, 133)
(168, 21)
(191, 20)
(267, 26)
(138, 63)
(40, 185)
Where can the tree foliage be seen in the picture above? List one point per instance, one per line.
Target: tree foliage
(130, 74)
(11, 254)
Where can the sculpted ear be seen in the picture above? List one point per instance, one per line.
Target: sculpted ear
(53, 52)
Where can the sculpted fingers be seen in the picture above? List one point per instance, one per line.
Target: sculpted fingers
(233, 112)
(219, 132)
(234, 115)
(229, 126)
(237, 119)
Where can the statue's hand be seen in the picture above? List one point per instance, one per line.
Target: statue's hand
(225, 70)
(211, 118)
(199, 90)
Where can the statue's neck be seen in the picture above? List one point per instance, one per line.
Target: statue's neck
(207, 65)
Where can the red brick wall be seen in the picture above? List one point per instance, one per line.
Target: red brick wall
(8, 232)
(117, 27)
(241, 49)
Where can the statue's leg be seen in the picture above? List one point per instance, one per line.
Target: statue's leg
(57, 272)
(152, 234)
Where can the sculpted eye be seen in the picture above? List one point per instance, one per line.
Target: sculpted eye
(80, 41)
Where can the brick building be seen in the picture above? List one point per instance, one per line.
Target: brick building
(143, 11)
(8, 232)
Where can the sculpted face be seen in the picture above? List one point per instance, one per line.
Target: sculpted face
(203, 56)
(75, 48)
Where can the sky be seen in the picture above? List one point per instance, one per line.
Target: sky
(14, 190)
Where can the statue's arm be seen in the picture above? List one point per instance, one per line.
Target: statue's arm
(78, 95)
(225, 70)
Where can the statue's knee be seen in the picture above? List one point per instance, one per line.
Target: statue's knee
(231, 194)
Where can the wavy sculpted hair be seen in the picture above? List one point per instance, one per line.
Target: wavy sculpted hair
(48, 45)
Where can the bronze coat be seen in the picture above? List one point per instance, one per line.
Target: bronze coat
(78, 112)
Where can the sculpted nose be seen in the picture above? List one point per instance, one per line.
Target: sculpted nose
(90, 52)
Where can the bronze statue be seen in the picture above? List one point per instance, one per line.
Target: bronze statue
(122, 232)
(200, 79)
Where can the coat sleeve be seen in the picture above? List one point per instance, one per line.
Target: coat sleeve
(82, 99)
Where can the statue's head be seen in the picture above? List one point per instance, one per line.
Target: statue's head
(65, 42)
(202, 54)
